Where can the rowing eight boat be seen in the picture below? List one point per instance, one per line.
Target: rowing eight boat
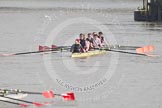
(89, 53)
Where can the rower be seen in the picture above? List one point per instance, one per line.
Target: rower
(103, 41)
(88, 45)
(82, 40)
(84, 37)
(90, 39)
(101, 37)
(76, 48)
(96, 42)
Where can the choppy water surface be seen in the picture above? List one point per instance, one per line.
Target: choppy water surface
(111, 80)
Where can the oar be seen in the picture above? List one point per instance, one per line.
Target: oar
(141, 54)
(24, 53)
(47, 94)
(126, 52)
(122, 47)
(42, 49)
(51, 94)
(139, 50)
(34, 103)
(16, 103)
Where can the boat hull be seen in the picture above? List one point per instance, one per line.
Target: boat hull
(89, 53)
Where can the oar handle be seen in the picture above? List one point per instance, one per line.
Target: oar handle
(27, 92)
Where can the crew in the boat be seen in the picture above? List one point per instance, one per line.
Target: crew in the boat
(92, 41)
(76, 47)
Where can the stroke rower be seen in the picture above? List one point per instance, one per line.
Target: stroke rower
(103, 40)
(76, 47)
(100, 36)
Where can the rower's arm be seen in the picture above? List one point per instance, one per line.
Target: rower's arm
(72, 48)
(81, 48)
(106, 42)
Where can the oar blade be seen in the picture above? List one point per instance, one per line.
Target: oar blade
(40, 48)
(41, 104)
(151, 48)
(48, 94)
(69, 96)
(54, 46)
(145, 49)
(7, 55)
(140, 50)
(46, 47)
(24, 105)
(43, 48)
(38, 104)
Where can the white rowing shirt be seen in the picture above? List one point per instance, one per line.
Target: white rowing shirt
(97, 43)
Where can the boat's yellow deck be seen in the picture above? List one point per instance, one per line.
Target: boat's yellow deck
(87, 54)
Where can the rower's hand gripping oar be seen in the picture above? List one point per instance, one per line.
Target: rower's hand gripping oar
(15, 103)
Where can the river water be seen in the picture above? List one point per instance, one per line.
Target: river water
(111, 80)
